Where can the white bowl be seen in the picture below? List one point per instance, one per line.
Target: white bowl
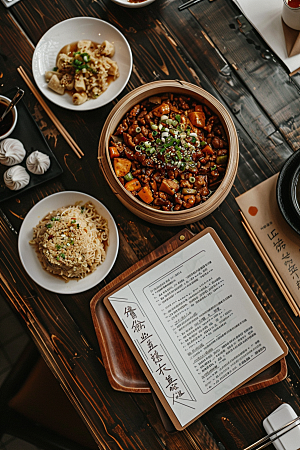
(7, 100)
(128, 4)
(72, 30)
(29, 257)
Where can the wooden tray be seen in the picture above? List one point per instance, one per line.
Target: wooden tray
(123, 371)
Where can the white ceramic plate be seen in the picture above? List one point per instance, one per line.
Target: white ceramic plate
(72, 30)
(128, 4)
(29, 257)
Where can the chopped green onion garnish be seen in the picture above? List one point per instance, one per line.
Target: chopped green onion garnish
(85, 57)
(179, 155)
(222, 159)
(128, 176)
(163, 118)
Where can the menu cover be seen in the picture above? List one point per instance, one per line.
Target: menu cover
(279, 242)
(195, 327)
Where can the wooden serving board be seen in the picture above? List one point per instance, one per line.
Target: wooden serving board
(122, 369)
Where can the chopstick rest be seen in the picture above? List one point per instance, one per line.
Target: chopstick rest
(283, 428)
(282, 415)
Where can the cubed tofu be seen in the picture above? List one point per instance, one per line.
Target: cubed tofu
(122, 166)
(169, 186)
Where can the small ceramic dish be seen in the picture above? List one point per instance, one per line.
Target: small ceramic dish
(9, 122)
(68, 32)
(29, 257)
(128, 4)
(288, 191)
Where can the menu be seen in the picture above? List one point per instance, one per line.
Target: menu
(279, 241)
(195, 327)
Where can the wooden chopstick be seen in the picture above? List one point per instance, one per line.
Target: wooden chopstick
(295, 308)
(76, 149)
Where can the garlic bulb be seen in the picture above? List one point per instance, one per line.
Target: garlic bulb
(12, 152)
(16, 178)
(38, 163)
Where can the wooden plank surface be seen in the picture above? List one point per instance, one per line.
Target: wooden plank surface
(206, 45)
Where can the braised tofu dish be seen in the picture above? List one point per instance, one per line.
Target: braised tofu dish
(170, 151)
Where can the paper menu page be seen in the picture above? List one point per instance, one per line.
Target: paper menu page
(195, 328)
(280, 241)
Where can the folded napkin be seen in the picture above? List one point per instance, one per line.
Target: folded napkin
(292, 40)
(265, 17)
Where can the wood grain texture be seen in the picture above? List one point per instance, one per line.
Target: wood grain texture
(211, 45)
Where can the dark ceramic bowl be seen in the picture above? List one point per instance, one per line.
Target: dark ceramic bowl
(288, 191)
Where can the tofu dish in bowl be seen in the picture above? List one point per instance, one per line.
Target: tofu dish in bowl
(84, 69)
(169, 151)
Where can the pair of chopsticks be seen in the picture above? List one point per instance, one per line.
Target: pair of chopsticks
(295, 308)
(188, 4)
(270, 438)
(76, 149)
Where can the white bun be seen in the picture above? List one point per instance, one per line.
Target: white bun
(16, 178)
(38, 163)
(12, 152)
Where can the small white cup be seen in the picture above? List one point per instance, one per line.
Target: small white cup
(15, 117)
(291, 16)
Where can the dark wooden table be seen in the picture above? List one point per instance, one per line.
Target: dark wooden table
(212, 45)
